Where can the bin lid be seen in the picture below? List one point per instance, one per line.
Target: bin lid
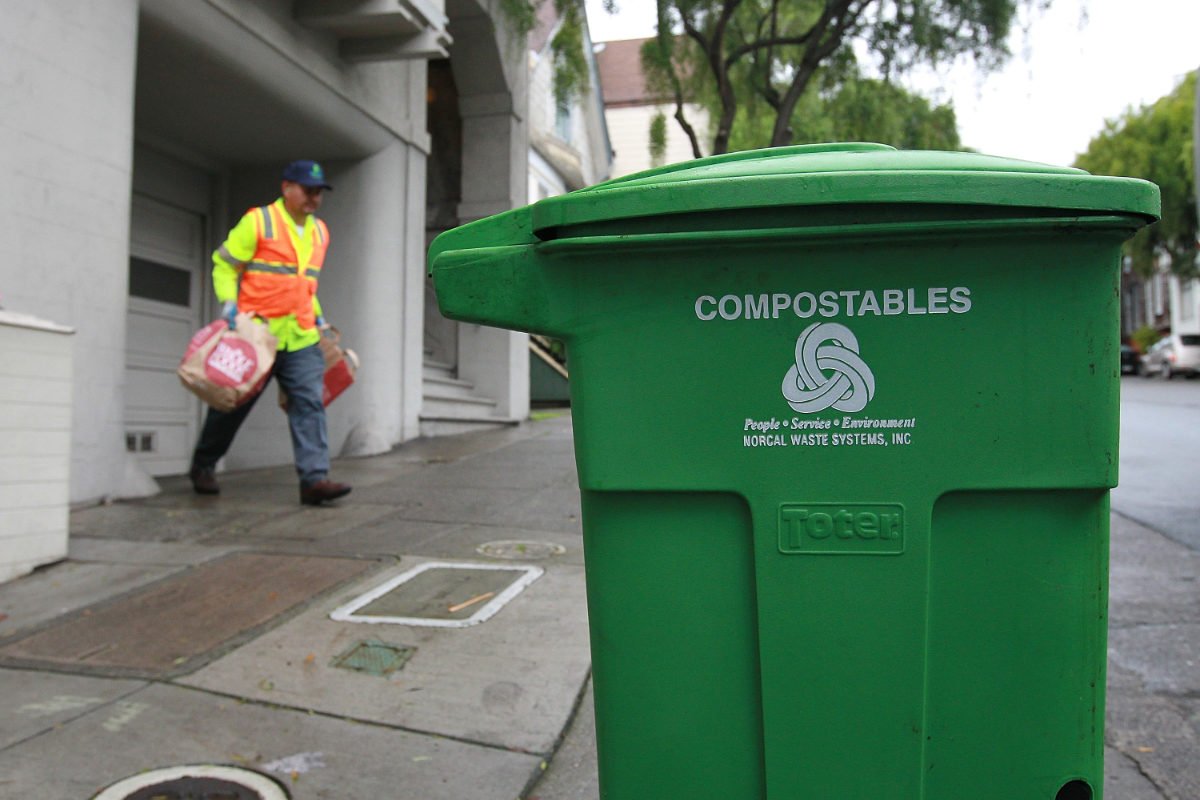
(844, 174)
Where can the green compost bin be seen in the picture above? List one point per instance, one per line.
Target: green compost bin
(846, 423)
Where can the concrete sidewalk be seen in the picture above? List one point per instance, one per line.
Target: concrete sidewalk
(197, 630)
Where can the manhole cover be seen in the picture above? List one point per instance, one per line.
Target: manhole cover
(441, 595)
(374, 657)
(516, 550)
(195, 782)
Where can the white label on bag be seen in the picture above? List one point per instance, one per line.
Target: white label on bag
(230, 362)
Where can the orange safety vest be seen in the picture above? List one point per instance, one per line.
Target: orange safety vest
(272, 283)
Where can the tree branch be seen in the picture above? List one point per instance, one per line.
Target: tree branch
(830, 29)
(681, 118)
(775, 41)
(712, 50)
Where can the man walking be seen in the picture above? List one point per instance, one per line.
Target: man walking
(269, 266)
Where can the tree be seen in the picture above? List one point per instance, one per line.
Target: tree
(1155, 142)
(570, 59)
(763, 57)
(857, 109)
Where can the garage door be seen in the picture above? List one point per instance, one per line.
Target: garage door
(167, 259)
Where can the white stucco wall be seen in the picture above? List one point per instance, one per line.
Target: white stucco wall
(629, 130)
(1185, 304)
(543, 180)
(379, 88)
(582, 130)
(66, 87)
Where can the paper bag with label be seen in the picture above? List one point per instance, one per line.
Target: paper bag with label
(224, 367)
(341, 365)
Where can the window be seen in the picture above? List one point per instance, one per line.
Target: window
(161, 283)
(562, 121)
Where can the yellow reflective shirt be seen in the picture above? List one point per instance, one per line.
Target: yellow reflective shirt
(242, 244)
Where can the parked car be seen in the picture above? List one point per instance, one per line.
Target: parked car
(1174, 354)
(1130, 361)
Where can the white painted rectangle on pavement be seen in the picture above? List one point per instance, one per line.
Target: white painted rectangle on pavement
(348, 612)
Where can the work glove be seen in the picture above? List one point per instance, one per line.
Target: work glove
(229, 314)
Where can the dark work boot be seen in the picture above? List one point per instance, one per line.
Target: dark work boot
(204, 481)
(323, 491)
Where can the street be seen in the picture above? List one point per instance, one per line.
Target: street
(1154, 596)
(1160, 456)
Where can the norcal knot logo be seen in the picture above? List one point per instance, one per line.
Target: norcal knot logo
(231, 362)
(828, 372)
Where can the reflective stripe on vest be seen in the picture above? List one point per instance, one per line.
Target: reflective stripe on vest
(228, 258)
(266, 230)
(278, 269)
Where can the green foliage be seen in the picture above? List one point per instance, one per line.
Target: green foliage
(771, 72)
(521, 15)
(570, 57)
(658, 140)
(570, 60)
(1143, 338)
(1155, 142)
(857, 110)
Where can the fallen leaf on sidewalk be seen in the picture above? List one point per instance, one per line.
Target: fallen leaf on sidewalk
(3, 617)
(479, 598)
(1145, 749)
(310, 658)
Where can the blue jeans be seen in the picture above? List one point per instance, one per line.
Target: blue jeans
(301, 376)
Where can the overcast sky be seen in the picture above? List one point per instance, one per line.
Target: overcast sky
(1073, 67)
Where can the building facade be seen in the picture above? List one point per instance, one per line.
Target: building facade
(1146, 301)
(569, 145)
(630, 108)
(1185, 304)
(136, 132)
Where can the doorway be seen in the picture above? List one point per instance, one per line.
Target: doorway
(166, 291)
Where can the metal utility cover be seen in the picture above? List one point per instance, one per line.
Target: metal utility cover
(200, 781)
(440, 595)
(374, 657)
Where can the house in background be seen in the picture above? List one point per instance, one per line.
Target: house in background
(630, 108)
(1146, 302)
(568, 150)
(1185, 292)
(1185, 304)
(569, 145)
(136, 133)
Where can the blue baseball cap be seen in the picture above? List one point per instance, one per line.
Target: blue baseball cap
(306, 173)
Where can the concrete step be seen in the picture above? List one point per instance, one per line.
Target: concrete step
(438, 404)
(453, 426)
(436, 369)
(441, 386)
(451, 406)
